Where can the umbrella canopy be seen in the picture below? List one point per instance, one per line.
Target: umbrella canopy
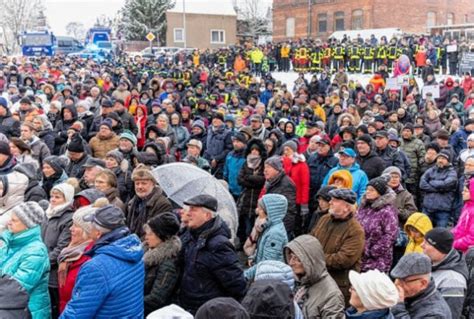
(181, 181)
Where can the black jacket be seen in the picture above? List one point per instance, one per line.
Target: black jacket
(210, 266)
(13, 299)
(76, 169)
(372, 164)
(319, 166)
(283, 185)
(222, 308)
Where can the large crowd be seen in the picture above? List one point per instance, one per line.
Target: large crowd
(353, 201)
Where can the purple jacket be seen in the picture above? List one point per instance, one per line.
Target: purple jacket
(380, 223)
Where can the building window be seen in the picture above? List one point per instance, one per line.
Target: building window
(357, 20)
(290, 27)
(322, 23)
(450, 18)
(431, 19)
(218, 36)
(178, 34)
(339, 21)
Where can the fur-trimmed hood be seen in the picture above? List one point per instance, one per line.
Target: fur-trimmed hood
(387, 199)
(168, 249)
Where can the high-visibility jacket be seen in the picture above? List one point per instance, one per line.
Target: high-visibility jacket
(392, 52)
(368, 53)
(285, 52)
(382, 52)
(256, 56)
(338, 53)
(354, 52)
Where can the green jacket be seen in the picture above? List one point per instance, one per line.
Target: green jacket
(415, 151)
(24, 257)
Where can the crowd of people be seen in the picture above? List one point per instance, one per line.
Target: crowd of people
(353, 201)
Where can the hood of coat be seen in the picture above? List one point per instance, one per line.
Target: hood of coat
(12, 294)
(308, 249)
(420, 222)
(269, 299)
(119, 244)
(274, 269)
(386, 199)
(222, 308)
(454, 260)
(276, 207)
(343, 175)
(166, 250)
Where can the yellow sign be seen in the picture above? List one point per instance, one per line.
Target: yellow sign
(150, 37)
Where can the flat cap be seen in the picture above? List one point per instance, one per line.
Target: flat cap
(412, 264)
(344, 194)
(203, 200)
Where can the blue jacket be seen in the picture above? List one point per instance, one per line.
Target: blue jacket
(439, 187)
(458, 141)
(233, 163)
(273, 238)
(373, 314)
(359, 179)
(319, 166)
(210, 266)
(219, 144)
(265, 96)
(24, 257)
(111, 284)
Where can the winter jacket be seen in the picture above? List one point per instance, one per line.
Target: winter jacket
(128, 121)
(405, 204)
(48, 137)
(415, 150)
(392, 157)
(53, 180)
(112, 195)
(297, 169)
(371, 164)
(101, 146)
(352, 313)
(283, 185)
(65, 291)
(56, 235)
(209, 260)
(422, 223)
(439, 186)
(139, 211)
(359, 179)
(39, 150)
(12, 193)
(319, 166)
(427, 304)
(76, 168)
(343, 245)
(110, 285)
(468, 311)
(273, 238)
(9, 125)
(463, 232)
(24, 257)
(251, 181)
(34, 192)
(322, 299)
(379, 219)
(13, 299)
(161, 274)
(233, 163)
(450, 277)
(219, 144)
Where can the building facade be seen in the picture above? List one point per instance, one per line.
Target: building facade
(294, 19)
(201, 24)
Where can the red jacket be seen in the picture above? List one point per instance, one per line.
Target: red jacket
(141, 123)
(298, 171)
(65, 292)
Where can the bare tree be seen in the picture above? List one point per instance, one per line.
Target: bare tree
(76, 29)
(254, 16)
(17, 16)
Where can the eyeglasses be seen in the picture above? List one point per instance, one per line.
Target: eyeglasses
(405, 281)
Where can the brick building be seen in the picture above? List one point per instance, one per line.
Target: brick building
(291, 17)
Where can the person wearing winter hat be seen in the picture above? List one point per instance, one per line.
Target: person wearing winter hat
(404, 200)
(277, 182)
(379, 219)
(372, 295)
(105, 140)
(73, 256)
(322, 198)
(161, 260)
(367, 158)
(449, 269)
(56, 234)
(53, 172)
(417, 294)
(219, 144)
(77, 156)
(341, 237)
(234, 161)
(223, 308)
(439, 186)
(469, 151)
(24, 256)
(268, 237)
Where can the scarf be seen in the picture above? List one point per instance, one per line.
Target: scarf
(67, 256)
(253, 161)
(52, 211)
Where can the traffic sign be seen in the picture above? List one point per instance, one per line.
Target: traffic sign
(150, 36)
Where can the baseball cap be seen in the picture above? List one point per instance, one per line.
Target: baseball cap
(348, 152)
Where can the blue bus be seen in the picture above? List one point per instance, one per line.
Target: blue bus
(37, 43)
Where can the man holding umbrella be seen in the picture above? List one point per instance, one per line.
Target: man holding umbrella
(207, 258)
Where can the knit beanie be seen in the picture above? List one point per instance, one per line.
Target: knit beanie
(409, 126)
(392, 170)
(324, 192)
(290, 144)
(78, 217)
(375, 289)
(66, 189)
(441, 239)
(107, 122)
(366, 138)
(5, 148)
(76, 144)
(128, 135)
(116, 155)
(164, 225)
(57, 163)
(30, 213)
(200, 124)
(275, 162)
(380, 184)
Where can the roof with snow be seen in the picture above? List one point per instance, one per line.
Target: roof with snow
(213, 7)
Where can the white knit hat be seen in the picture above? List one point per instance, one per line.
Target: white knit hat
(375, 289)
(67, 190)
